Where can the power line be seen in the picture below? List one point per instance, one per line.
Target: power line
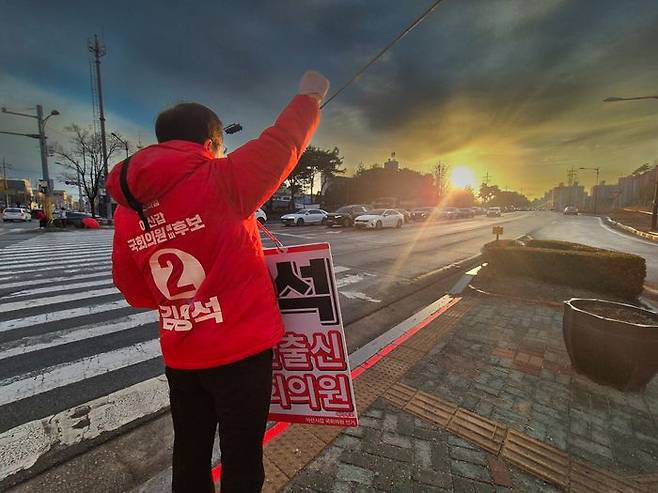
(390, 45)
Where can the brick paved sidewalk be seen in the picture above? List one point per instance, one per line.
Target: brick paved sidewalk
(481, 400)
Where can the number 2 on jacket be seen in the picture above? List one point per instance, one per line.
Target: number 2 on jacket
(177, 274)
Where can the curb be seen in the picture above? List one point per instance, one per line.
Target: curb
(647, 236)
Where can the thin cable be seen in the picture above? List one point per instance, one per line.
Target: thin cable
(406, 31)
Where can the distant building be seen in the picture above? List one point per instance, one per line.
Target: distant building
(604, 196)
(391, 163)
(15, 193)
(565, 195)
(62, 199)
(637, 189)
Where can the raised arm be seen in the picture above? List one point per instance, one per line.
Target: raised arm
(251, 174)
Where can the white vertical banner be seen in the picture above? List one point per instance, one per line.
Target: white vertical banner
(311, 381)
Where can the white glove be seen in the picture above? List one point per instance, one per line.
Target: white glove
(314, 84)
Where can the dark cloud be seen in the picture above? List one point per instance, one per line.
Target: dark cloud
(475, 71)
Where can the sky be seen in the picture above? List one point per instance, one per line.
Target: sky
(512, 88)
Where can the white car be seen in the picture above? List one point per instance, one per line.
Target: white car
(16, 214)
(494, 212)
(380, 218)
(261, 217)
(305, 216)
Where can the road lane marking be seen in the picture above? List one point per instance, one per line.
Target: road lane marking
(40, 276)
(52, 280)
(65, 298)
(339, 268)
(22, 446)
(79, 266)
(43, 318)
(75, 334)
(69, 261)
(624, 235)
(21, 259)
(60, 287)
(34, 383)
(352, 279)
(357, 295)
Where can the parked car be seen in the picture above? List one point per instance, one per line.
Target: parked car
(493, 212)
(449, 213)
(305, 216)
(406, 214)
(571, 211)
(16, 214)
(380, 218)
(261, 217)
(345, 215)
(74, 219)
(465, 213)
(423, 213)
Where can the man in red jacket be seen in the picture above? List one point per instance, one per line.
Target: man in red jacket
(186, 243)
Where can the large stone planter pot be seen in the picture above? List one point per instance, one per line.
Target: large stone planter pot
(611, 350)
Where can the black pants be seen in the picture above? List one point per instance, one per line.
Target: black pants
(235, 396)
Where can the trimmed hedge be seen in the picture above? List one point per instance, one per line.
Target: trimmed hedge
(571, 264)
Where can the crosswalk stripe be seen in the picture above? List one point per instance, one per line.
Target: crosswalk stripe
(66, 336)
(22, 445)
(21, 259)
(339, 268)
(77, 265)
(60, 287)
(26, 249)
(54, 261)
(43, 318)
(13, 389)
(51, 300)
(53, 280)
(39, 275)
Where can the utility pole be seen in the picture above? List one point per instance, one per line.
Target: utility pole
(98, 50)
(41, 136)
(571, 179)
(125, 143)
(4, 176)
(654, 211)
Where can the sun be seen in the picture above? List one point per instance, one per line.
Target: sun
(462, 177)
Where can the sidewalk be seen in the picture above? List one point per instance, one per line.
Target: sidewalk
(483, 399)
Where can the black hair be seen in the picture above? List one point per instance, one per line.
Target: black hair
(189, 121)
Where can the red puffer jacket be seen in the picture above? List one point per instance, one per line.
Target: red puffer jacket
(201, 263)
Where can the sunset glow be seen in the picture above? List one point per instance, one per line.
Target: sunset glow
(462, 177)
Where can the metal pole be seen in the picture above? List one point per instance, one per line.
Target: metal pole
(596, 193)
(98, 52)
(4, 175)
(654, 212)
(77, 172)
(44, 160)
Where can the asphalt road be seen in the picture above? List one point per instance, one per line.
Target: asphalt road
(67, 338)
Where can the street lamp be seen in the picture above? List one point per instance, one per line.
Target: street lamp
(596, 188)
(41, 136)
(654, 212)
(124, 142)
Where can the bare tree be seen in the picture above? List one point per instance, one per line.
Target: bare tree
(82, 160)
